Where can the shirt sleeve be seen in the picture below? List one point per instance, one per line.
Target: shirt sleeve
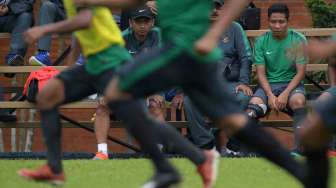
(244, 54)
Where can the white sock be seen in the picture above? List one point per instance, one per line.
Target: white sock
(102, 147)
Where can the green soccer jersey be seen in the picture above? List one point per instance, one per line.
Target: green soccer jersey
(272, 53)
(184, 22)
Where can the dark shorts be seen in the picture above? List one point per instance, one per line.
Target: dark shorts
(79, 84)
(169, 66)
(327, 111)
(277, 89)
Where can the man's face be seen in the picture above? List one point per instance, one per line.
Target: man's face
(141, 26)
(215, 11)
(278, 24)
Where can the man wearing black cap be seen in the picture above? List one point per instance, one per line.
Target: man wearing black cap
(141, 35)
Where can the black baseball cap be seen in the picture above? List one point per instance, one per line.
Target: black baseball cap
(140, 12)
(221, 2)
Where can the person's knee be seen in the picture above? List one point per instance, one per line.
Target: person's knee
(25, 18)
(256, 108)
(243, 100)
(51, 95)
(47, 7)
(297, 101)
(102, 110)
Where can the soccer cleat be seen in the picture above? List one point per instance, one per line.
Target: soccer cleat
(13, 60)
(331, 153)
(43, 174)
(100, 156)
(163, 180)
(41, 59)
(209, 168)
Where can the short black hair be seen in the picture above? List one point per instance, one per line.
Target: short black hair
(278, 8)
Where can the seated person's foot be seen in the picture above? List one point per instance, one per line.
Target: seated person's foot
(209, 168)
(43, 174)
(4, 117)
(13, 60)
(100, 156)
(296, 153)
(41, 59)
(166, 179)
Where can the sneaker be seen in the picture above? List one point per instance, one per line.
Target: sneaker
(209, 169)
(43, 174)
(7, 117)
(80, 60)
(13, 60)
(41, 59)
(161, 180)
(100, 156)
(331, 153)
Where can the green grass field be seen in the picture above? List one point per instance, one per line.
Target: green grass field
(233, 173)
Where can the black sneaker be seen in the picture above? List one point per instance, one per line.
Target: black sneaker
(13, 60)
(163, 180)
(7, 118)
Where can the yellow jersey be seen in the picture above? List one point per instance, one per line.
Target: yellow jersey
(103, 32)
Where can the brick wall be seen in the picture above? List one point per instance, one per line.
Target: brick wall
(299, 14)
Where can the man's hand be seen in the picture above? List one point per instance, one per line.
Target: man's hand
(152, 6)
(245, 89)
(282, 100)
(206, 44)
(177, 101)
(33, 34)
(3, 10)
(272, 102)
(156, 101)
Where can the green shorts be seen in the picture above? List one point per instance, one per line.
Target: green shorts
(109, 58)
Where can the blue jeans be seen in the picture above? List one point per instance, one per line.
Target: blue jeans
(49, 13)
(16, 25)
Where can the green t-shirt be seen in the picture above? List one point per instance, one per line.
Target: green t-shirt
(183, 22)
(109, 58)
(273, 54)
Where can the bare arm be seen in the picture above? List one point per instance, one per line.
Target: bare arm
(228, 13)
(301, 69)
(261, 75)
(81, 21)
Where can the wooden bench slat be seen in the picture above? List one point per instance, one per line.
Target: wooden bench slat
(28, 105)
(309, 32)
(25, 69)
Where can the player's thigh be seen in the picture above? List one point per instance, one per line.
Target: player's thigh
(77, 83)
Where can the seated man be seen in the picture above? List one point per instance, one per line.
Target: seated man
(280, 77)
(50, 11)
(15, 18)
(236, 66)
(139, 37)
